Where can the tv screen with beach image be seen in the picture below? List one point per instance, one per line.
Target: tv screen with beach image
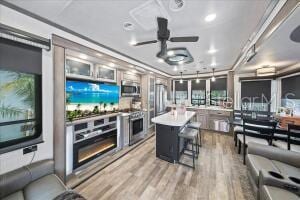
(89, 94)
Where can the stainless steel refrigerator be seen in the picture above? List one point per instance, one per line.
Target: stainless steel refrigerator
(161, 99)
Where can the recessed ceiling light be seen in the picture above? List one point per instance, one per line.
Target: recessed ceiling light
(151, 72)
(83, 56)
(133, 71)
(213, 64)
(112, 64)
(131, 66)
(210, 17)
(170, 53)
(133, 42)
(212, 51)
(175, 68)
(160, 60)
(99, 54)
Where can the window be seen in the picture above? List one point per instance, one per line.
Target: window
(198, 92)
(290, 93)
(20, 92)
(181, 92)
(256, 95)
(218, 91)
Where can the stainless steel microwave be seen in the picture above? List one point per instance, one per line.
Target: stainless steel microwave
(130, 89)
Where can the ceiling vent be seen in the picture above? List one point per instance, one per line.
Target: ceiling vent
(176, 5)
(145, 15)
(266, 71)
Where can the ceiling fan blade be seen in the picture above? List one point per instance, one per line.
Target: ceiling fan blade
(184, 39)
(146, 42)
(162, 25)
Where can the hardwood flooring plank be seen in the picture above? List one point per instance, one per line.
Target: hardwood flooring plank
(139, 175)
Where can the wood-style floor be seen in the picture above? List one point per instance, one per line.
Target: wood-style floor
(219, 174)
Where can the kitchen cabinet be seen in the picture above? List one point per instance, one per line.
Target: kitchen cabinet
(202, 119)
(212, 119)
(81, 69)
(219, 120)
(76, 68)
(131, 77)
(106, 74)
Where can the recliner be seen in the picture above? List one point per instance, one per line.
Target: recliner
(33, 182)
(269, 158)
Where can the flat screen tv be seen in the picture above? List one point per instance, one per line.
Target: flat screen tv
(82, 92)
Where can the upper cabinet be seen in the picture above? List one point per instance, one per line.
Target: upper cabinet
(77, 68)
(106, 74)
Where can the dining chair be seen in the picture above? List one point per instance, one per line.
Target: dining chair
(237, 129)
(280, 139)
(293, 138)
(256, 131)
(247, 114)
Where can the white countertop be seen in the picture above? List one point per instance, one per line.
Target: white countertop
(206, 108)
(173, 120)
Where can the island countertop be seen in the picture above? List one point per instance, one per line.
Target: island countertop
(218, 108)
(175, 119)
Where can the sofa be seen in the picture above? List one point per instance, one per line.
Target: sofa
(36, 181)
(268, 158)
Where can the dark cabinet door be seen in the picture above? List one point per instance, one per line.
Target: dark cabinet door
(167, 143)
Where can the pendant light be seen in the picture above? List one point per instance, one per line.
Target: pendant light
(197, 80)
(213, 78)
(181, 81)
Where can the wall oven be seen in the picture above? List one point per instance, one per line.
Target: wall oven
(89, 149)
(136, 127)
(129, 88)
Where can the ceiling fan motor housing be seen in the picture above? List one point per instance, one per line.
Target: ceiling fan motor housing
(163, 35)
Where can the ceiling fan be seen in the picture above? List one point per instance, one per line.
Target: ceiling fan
(163, 35)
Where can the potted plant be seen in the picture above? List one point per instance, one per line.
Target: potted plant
(100, 104)
(104, 106)
(112, 106)
(96, 110)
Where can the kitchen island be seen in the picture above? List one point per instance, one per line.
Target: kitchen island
(167, 127)
(215, 118)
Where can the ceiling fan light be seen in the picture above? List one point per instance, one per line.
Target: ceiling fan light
(197, 80)
(213, 79)
(181, 62)
(181, 81)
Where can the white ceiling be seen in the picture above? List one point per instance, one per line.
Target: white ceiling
(278, 50)
(102, 21)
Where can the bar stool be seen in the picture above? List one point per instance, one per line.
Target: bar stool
(196, 126)
(190, 136)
